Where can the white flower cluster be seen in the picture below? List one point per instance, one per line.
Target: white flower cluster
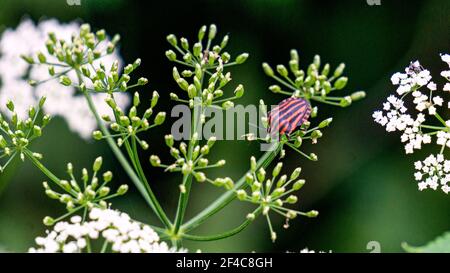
(433, 172)
(394, 115)
(121, 233)
(62, 101)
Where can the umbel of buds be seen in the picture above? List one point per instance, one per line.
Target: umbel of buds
(16, 134)
(204, 58)
(127, 126)
(316, 83)
(272, 193)
(193, 164)
(86, 193)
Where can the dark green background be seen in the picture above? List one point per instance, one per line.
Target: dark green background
(363, 183)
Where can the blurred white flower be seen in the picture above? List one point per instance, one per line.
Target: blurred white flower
(62, 101)
(117, 229)
(433, 172)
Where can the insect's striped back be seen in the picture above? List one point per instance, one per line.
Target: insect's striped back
(288, 115)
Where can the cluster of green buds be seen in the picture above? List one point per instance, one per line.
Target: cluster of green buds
(201, 59)
(127, 126)
(108, 80)
(16, 133)
(272, 194)
(316, 83)
(78, 54)
(192, 162)
(85, 194)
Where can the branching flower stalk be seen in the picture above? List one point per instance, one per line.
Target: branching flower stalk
(78, 55)
(204, 80)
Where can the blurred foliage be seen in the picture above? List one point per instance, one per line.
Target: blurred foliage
(363, 183)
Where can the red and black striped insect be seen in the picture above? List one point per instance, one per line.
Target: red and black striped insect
(288, 115)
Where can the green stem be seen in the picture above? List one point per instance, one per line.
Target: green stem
(187, 178)
(224, 234)
(46, 171)
(145, 191)
(229, 196)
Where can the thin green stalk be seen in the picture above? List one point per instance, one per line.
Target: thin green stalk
(46, 171)
(146, 192)
(229, 196)
(223, 235)
(187, 178)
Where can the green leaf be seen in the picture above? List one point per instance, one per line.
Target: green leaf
(439, 245)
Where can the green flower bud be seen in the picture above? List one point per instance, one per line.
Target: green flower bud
(316, 61)
(292, 199)
(3, 142)
(277, 169)
(200, 177)
(312, 213)
(239, 91)
(172, 39)
(295, 173)
(37, 131)
(313, 157)
(183, 84)
(136, 100)
(160, 117)
(298, 184)
(250, 216)
(142, 81)
(27, 59)
(275, 88)
(122, 189)
(41, 57)
(97, 164)
(267, 69)
(325, 123)
(10, 105)
(229, 184)
(339, 70)
(224, 42)
(184, 43)
(64, 80)
(51, 194)
(345, 101)
(253, 164)
(261, 174)
(103, 191)
(241, 58)
(225, 57)
(101, 35)
(171, 55)
(201, 33)
(294, 55)
(326, 70)
(241, 195)
(340, 83)
(48, 221)
(358, 95)
(169, 140)
(227, 105)
(293, 65)
(192, 91)
(281, 69)
(155, 97)
(212, 32)
(316, 134)
(197, 49)
(107, 176)
(281, 181)
(155, 161)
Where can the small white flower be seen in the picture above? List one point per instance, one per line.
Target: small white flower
(433, 172)
(446, 58)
